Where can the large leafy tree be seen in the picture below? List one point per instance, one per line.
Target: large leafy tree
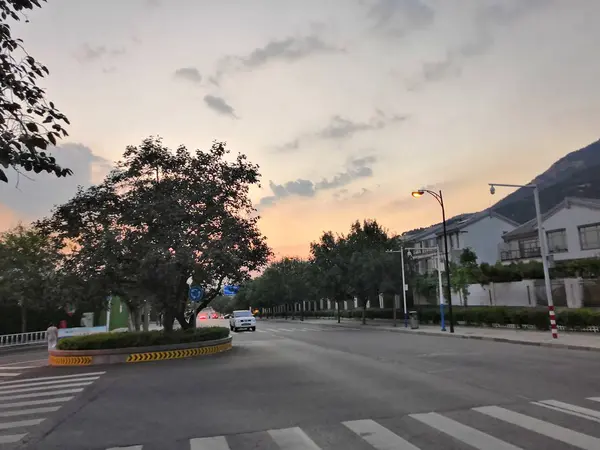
(28, 271)
(29, 123)
(160, 217)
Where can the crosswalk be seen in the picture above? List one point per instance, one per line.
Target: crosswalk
(25, 403)
(11, 370)
(481, 428)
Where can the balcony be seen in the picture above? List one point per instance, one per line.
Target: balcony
(523, 253)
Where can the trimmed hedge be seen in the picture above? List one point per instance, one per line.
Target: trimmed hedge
(479, 316)
(125, 339)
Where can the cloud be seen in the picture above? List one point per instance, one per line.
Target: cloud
(219, 105)
(399, 17)
(31, 196)
(340, 127)
(288, 50)
(89, 53)
(189, 74)
(355, 169)
(487, 19)
(152, 3)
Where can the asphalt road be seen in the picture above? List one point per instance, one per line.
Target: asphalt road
(298, 386)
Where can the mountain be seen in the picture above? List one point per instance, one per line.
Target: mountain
(575, 175)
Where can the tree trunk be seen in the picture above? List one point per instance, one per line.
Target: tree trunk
(146, 322)
(168, 320)
(23, 318)
(364, 313)
(339, 317)
(302, 311)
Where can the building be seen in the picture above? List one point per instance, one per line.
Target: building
(481, 232)
(572, 231)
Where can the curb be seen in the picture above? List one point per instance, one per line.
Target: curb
(136, 355)
(480, 338)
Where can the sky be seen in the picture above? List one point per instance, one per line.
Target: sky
(346, 105)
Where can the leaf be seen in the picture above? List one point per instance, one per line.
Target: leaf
(48, 119)
(51, 138)
(32, 127)
(3, 176)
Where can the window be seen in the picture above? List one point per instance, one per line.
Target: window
(589, 236)
(529, 248)
(557, 241)
(242, 314)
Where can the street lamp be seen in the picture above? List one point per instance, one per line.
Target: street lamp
(438, 196)
(543, 247)
(404, 286)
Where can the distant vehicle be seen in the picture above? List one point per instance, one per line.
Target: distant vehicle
(242, 320)
(215, 316)
(226, 316)
(202, 317)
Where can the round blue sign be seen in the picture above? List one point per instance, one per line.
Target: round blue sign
(196, 293)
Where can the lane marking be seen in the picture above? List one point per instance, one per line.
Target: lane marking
(468, 435)
(36, 402)
(42, 394)
(131, 447)
(25, 362)
(9, 374)
(210, 443)
(378, 436)
(293, 439)
(11, 390)
(11, 438)
(46, 383)
(60, 377)
(551, 430)
(24, 412)
(20, 424)
(578, 411)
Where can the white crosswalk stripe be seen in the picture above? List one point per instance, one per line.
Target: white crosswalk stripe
(10, 370)
(25, 403)
(376, 436)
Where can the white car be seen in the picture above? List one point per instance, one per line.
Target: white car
(242, 320)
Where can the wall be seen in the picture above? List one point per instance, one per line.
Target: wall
(571, 218)
(483, 238)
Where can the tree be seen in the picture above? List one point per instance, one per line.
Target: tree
(160, 217)
(28, 123)
(28, 264)
(330, 256)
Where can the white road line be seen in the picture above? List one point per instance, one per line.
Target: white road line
(131, 447)
(20, 424)
(260, 331)
(64, 385)
(551, 430)
(293, 439)
(47, 383)
(36, 402)
(272, 330)
(9, 374)
(18, 367)
(286, 329)
(594, 399)
(211, 443)
(468, 435)
(25, 362)
(40, 394)
(578, 411)
(11, 438)
(378, 436)
(25, 412)
(34, 380)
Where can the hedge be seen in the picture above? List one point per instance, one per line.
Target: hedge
(478, 316)
(128, 339)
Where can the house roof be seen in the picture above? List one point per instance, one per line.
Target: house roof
(529, 228)
(464, 222)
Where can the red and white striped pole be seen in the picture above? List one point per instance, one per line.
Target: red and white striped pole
(553, 328)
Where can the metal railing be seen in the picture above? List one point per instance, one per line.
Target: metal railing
(21, 339)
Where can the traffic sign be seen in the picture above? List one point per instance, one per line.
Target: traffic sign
(196, 293)
(230, 290)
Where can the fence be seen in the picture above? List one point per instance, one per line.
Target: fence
(22, 339)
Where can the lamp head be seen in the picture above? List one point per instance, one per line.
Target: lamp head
(417, 194)
(492, 189)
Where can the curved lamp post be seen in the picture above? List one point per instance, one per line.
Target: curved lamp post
(438, 196)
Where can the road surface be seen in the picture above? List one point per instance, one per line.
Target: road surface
(295, 386)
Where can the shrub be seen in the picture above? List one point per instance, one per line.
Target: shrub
(127, 339)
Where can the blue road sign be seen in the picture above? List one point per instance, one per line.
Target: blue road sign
(196, 293)
(230, 289)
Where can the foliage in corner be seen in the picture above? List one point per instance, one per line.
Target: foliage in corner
(28, 123)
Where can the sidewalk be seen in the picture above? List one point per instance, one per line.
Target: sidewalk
(566, 340)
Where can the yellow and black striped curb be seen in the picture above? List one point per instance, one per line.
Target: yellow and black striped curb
(70, 360)
(178, 354)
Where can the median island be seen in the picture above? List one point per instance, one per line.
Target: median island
(139, 346)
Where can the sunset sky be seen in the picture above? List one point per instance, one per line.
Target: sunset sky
(347, 105)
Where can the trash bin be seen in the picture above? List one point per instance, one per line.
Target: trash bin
(414, 319)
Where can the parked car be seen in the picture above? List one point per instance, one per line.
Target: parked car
(242, 320)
